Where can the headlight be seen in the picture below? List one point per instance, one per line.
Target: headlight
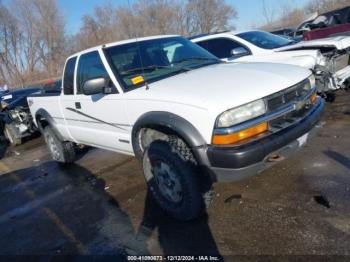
(240, 114)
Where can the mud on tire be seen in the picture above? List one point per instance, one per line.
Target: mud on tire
(61, 151)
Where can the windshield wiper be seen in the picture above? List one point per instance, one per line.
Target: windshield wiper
(196, 58)
(147, 68)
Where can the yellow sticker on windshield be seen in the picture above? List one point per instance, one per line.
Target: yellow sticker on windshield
(137, 79)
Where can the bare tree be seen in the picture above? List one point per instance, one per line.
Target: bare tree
(51, 34)
(290, 16)
(152, 17)
(14, 51)
(32, 40)
(322, 6)
(267, 13)
(206, 16)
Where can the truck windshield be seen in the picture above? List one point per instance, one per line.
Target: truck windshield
(265, 40)
(153, 60)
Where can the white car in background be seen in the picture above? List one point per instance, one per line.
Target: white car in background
(327, 58)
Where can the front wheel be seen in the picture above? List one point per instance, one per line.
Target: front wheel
(61, 151)
(172, 181)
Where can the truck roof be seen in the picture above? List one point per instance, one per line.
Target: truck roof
(120, 43)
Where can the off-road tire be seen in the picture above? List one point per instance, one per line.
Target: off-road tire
(181, 148)
(63, 152)
(161, 152)
(12, 135)
(205, 182)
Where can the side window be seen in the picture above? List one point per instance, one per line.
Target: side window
(89, 67)
(68, 77)
(220, 47)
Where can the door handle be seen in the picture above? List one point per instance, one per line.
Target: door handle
(77, 105)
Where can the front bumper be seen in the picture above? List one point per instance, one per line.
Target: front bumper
(236, 163)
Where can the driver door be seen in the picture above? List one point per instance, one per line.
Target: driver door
(100, 119)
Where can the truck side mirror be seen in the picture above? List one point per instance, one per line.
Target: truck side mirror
(239, 51)
(96, 86)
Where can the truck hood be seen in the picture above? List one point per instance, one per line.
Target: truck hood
(338, 42)
(227, 85)
(303, 58)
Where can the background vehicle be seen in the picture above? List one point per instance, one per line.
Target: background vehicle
(191, 119)
(289, 33)
(283, 31)
(15, 119)
(52, 86)
(327, 58)
(333, 23)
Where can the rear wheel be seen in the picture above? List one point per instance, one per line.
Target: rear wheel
(61, 151)
(172, 181)
(12, 135)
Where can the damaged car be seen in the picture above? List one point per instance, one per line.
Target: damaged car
(16, 120)
(327, 58)
(333, 23)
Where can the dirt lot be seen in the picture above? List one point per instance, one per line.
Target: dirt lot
(100, 205)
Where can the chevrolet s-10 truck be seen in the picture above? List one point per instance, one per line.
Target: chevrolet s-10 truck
(188, 116)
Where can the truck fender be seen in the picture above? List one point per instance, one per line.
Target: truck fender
(179, 125)
(42, 113)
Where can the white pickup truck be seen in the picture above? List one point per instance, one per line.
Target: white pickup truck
(187, 115)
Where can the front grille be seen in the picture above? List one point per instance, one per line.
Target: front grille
(292, 95)
(288, 119)
(287, 96)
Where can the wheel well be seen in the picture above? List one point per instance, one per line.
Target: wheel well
(147, 134)
(41, 122)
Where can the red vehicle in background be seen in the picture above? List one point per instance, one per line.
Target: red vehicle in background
(333, 23)
(340, 30)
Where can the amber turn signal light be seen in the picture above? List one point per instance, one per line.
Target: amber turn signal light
(234, 138)
(313, 98)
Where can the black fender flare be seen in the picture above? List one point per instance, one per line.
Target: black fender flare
(178, 125)
(42, 113)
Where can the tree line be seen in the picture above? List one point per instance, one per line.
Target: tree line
(34, 41)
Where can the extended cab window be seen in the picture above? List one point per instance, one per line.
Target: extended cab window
(220, 47)
(89, 67)
(68, 78)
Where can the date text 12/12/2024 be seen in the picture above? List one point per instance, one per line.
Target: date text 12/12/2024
(173, 258)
